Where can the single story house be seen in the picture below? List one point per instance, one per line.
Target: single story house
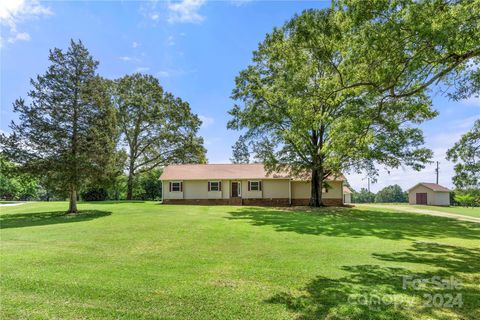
(347, 195)
(241, 184)
(429, 194)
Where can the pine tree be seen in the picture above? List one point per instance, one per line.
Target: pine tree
(67, 133)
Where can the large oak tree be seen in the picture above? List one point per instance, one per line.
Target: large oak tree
(157, 128)
(344, 88)
(66, 132)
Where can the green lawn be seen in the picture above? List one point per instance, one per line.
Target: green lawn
(473, 212)
(151, 261)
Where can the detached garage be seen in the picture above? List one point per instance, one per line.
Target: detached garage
(429, 194)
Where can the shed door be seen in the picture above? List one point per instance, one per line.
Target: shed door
(421, 198)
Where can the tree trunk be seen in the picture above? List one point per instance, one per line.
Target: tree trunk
(130, 182)
(316, 188)
(130, 187)
(73, 200)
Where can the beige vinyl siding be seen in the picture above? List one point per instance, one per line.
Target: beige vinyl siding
(271, 189)
(258, 194)
(226, 189)
(197, 189)
(301, 190)
(167, 194)
(275, 189)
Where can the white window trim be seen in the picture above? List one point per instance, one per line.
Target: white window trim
(218, 185)
(258, 185)
(179, 186)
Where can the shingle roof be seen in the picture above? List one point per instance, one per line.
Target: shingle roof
(346, 189)
(224, 171)
(432, 186)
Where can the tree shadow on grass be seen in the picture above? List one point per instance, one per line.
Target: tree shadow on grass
(377, 292)
(45, 218)
(347, 222)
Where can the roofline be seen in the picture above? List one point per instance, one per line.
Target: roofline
(423, 184)
(294, 180)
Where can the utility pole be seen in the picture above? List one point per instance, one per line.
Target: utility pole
(437, 171)
(369, 185)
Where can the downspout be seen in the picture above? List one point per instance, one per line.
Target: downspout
(343, 195)
(290, 192)
(163, 192)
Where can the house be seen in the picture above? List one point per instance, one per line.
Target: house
(429, 194)
(241, 184)
(347, 195)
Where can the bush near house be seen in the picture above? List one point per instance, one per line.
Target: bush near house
(467, 198)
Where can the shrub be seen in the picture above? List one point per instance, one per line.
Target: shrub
(94, 194)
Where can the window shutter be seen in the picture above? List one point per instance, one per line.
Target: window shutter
(248, 185)
(181, 186)
(220, 186)
(260, 185)
(170, 186)
(209, 188)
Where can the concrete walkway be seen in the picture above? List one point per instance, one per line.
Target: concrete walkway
(422, 211)
(11, 204)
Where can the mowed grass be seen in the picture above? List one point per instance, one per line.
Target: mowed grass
(143, 260)
(466, 211)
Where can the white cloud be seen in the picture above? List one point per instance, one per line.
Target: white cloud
(163, 74)
(166, 73)
(15, 12)
(239, 3)
(129, 59)
(185, 11)
(170, 41)
(20, 36)
(472, 101)
(206, 121)
(142, 69)
(135, 44)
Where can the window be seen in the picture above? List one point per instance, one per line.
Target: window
(214, 186)
(254, 186)
(176, 186)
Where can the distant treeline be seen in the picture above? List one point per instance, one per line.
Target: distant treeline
(394, 194)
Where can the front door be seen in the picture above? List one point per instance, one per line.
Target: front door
(235, 190)
(421, 198)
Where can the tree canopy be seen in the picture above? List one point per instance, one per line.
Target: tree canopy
(66, 134)
(393, 193)
(240, 152)
(157, 128)
(466, 154)
(344, 88)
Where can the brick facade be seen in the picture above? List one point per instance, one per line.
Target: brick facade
(326, 202)
(276, 202)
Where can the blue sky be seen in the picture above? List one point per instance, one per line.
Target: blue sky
(196, 48)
